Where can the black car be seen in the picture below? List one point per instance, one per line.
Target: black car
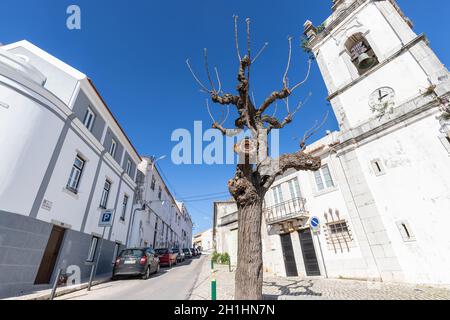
(187, 253)
(136, 261)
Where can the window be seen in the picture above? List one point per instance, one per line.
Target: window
(92, 249)
(89, 119)
(105, 195)
(124, 207)
(361, 53)
(405, 231)
(75, 174)
(445, 142)
(338, 236)
(129, 167)
(277, 194)
(294, 189)
(113, 148)
(377, 167)
(159, 193)
(323, 178)
(338, 228)
(153, 183)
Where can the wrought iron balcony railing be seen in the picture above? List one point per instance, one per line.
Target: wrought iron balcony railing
(292, 209)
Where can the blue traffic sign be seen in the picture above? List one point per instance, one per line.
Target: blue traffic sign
(315, 222)
(106, 218)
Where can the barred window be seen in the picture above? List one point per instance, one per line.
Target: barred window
(338, 236)
(338, 228)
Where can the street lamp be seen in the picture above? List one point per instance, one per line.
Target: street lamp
(154, 160)
(145, 205)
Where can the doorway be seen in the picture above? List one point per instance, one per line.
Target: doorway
(288, 255)
(50, 255)
(309, 253)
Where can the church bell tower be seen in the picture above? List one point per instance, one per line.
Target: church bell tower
(371, 60)
(392, 154)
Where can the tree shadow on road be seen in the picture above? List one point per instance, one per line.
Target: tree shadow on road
(293, 288)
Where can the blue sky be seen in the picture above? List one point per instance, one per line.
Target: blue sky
(135, 52)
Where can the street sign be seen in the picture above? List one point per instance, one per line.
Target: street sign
(106, 218)
(315, 224)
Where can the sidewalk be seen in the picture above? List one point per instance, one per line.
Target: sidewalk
(280, 288)
(224, 281)
(45, 294)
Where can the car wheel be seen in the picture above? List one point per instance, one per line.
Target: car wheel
(146, 275)
(113, 278)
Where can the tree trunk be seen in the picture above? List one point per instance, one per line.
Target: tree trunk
(249, 272)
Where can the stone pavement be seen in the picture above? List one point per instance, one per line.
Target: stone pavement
(46, 294)
(314, 289)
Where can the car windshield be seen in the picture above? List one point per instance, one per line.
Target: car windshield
(186, 250)
(162, 251)
(175, 250)
(131, 253)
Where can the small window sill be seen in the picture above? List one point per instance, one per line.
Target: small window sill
(71, 192)
(325, 191)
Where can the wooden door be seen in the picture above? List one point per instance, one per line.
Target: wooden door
(50, 256)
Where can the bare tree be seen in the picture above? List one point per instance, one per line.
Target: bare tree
(254, 174)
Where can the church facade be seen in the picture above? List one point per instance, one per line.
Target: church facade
(378, 209)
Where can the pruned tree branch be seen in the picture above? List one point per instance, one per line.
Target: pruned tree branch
(270, 169)
(208, 74)
(260, 52)
(285, 84)
(306, 77)
(308, 134)
(236, 37)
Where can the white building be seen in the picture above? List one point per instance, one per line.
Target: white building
(204, 240)
(65, 160)
(383, 193)
(159, 220)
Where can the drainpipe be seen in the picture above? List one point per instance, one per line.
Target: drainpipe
(132, 222)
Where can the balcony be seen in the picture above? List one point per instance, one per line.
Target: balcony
(289, 210)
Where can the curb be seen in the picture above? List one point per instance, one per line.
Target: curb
(61, 292)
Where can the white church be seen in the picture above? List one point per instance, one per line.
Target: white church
(382, 197)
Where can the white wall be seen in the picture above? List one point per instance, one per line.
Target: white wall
(416, 189)
(28, 135)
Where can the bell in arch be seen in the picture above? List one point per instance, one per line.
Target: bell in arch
(365, 61)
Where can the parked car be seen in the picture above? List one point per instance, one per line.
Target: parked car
(166, 257)
(194, 252)
(187, 253)
(180, 254)
(136, 261)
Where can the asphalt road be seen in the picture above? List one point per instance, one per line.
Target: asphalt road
(175, 283)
